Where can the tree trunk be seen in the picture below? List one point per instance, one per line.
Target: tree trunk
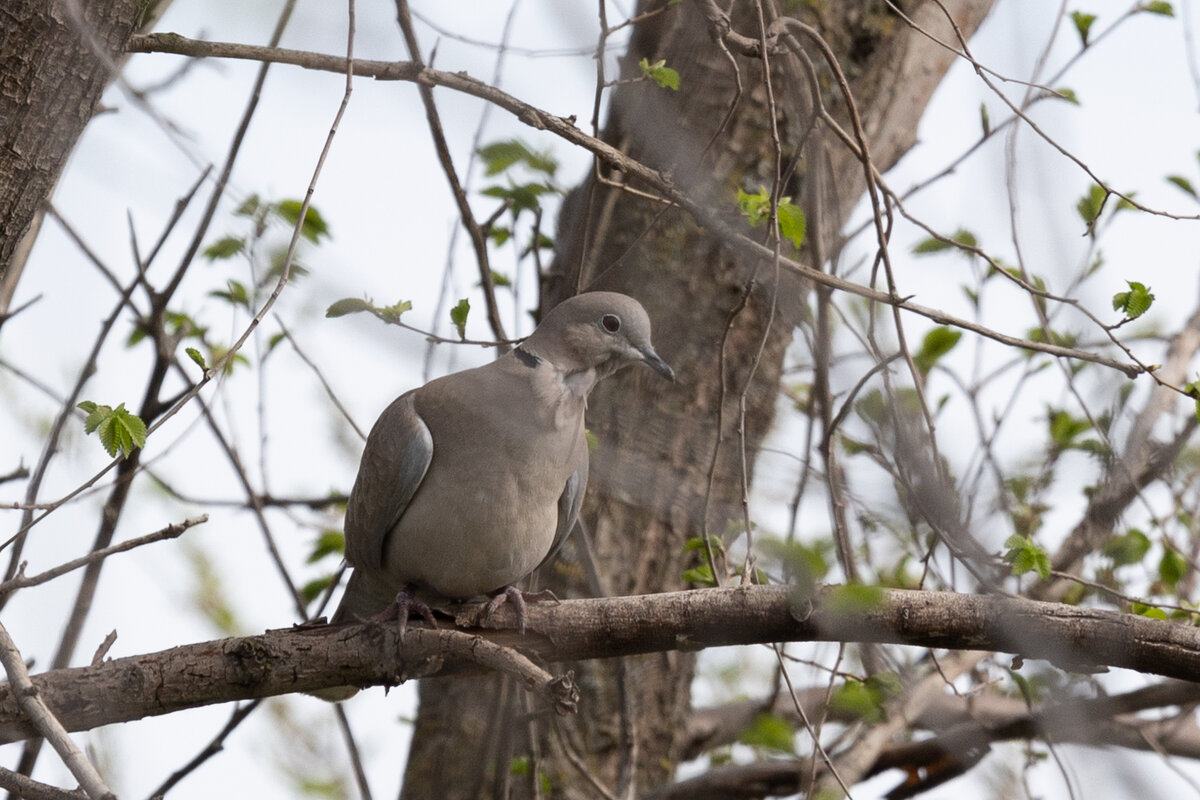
(723, 324)
(56, 58)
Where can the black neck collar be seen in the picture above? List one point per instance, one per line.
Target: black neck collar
(525, 357)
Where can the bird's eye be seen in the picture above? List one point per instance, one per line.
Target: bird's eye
(611, 323)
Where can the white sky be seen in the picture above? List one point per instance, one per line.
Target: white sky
(391, 217)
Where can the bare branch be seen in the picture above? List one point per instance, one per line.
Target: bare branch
(30, 703)
(170, 532)
(565, 128)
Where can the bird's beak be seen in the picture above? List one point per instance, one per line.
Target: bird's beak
(657, 364)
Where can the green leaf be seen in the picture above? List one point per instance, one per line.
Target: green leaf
(1024, 555)
(1171, 567)
(661, 74)
(887, 684)
(314, 588)
(1135, 302)
(962, 237)
(854, 598)
(393, 312)
(931, 245)
(1060, 339)
(804, 564)
(329, 542)
(854, 447)
(771, 732)
(1065, 429)
(984, 121)
(1128, 549)
(523, 197)
(235, 294)
(792, 223)
(1064, 93)
(93, 415)
(1091, 204)
(1083, 25)
(217, 353)
(499, 156)
(120, 430)
(755, 207)
(249, 206)
(1161, 8)
(1183, 183)
(458, 317)
(197, 357)
(499, 235)
(937, 343)
(696, 544)
(347, 305)
(1151, 612)
(856, 699)
(873, 408)
(226, 247)
(314, 224)
(701, 575)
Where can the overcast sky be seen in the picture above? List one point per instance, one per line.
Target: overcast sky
(391, 220)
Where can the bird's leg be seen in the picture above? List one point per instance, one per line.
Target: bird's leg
(518, 599)
(404, 604)
(513, 595)
(537, 597)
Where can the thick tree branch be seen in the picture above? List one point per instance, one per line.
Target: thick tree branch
(316, 657)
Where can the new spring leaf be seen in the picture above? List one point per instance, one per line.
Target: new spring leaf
(660, 73)
(1135, 302)
(119, 429)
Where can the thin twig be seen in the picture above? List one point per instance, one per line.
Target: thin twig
(216, 745)
(47, 724)
(474, 231)
(172, 531)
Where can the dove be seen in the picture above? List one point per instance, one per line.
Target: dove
(469, 483)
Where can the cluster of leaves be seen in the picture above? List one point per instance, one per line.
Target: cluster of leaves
(790, 218)
(1083, 21)
(392, 314)
(330, 543)
(530, 175)
(120, 430)
(261, 213)
(702, 573)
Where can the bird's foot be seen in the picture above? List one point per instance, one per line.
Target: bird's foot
(518, 599)
(402, 607)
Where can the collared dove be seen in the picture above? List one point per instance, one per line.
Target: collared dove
(470, 482)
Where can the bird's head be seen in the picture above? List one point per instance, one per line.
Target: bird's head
(600, 331)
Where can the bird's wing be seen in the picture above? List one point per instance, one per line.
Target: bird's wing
(568, 506)
(394, 463)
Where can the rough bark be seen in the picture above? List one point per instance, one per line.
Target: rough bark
(712, 312)
(56, 58)
(599, 630)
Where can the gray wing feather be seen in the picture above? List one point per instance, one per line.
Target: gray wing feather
(394, 462)
(569, 503)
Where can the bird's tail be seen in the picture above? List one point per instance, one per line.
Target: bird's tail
(364, 597)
